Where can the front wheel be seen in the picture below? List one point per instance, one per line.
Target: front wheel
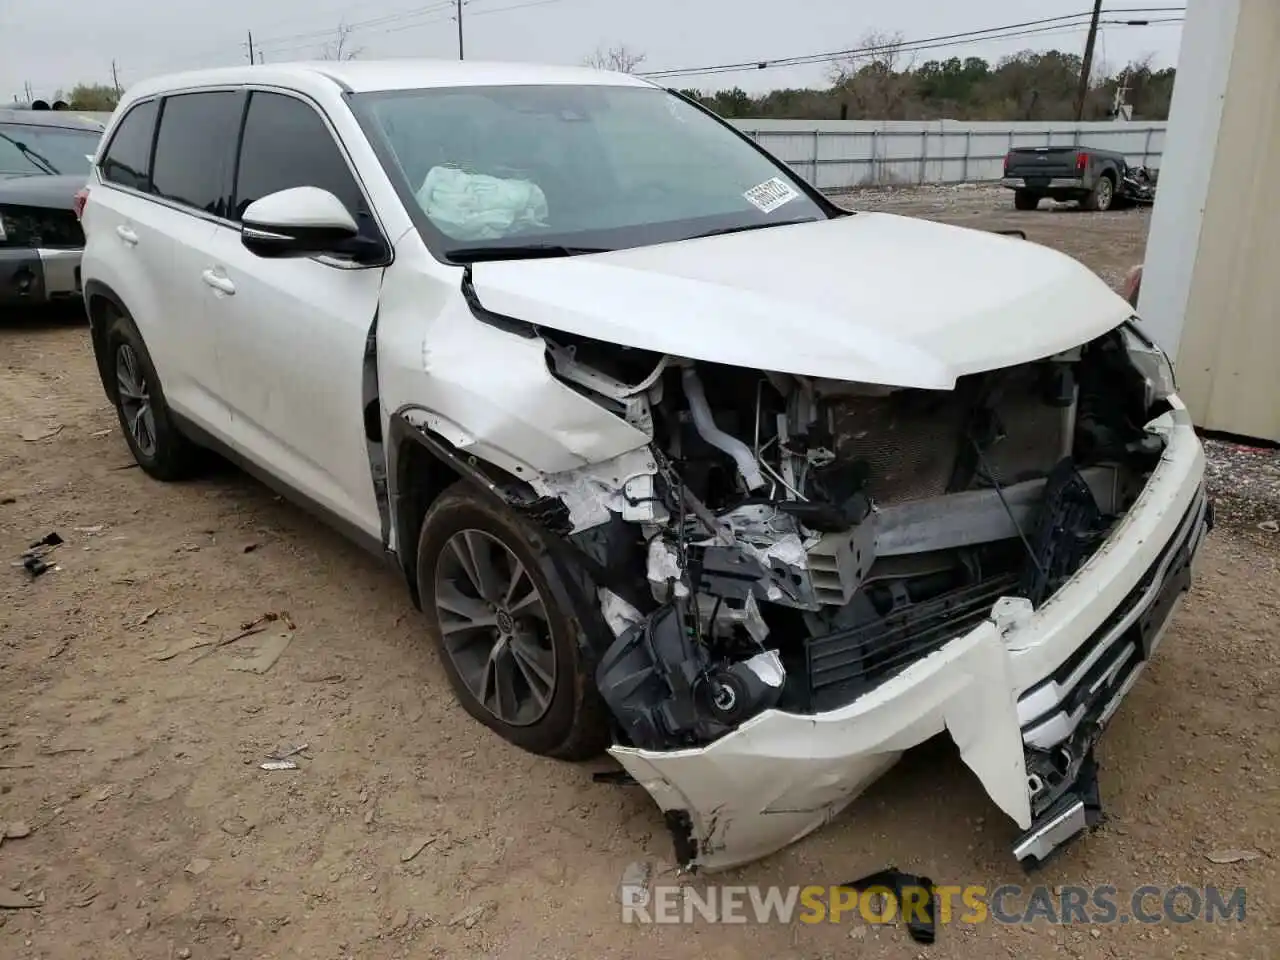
(508, 647)
(154, 439)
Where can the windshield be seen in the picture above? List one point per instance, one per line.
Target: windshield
(30, 149)
(565, 169)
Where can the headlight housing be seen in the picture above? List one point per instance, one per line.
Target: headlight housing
(1149, 360)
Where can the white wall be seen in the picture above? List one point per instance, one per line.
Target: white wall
(1227, 325)
(1191, 146)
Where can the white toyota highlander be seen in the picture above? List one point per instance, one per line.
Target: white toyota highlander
(678, 459)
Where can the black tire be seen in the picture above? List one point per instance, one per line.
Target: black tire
(1025, 200)
(161, 449)
(573, 724)
(1101, 198)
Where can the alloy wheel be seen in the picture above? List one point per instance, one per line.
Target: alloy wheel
(135, 400)
(494, 627)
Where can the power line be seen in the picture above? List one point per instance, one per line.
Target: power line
(518, 6)
(291, 44)
(354, 25)
(1008, 31)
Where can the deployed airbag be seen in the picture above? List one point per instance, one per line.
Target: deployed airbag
(476, 206)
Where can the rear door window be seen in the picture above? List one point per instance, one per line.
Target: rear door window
(128, 158)
(195, 148)
(287, 144)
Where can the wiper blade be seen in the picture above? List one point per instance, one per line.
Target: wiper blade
(753, 226)
(36, 158)
(530, 251)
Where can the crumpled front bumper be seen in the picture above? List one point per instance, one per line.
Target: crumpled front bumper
(779, 776)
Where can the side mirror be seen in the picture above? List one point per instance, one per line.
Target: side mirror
(298, 222)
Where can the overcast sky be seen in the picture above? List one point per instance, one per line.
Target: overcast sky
(58, 43)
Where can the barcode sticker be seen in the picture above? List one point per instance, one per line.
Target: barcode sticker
(770, 195)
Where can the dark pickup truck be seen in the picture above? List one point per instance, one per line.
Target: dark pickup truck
(1098, 179)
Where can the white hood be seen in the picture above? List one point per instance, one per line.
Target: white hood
(873, 298)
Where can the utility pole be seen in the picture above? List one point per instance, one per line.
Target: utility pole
(1086, 68)
(115, 77)
(251, 46)
(460, 53)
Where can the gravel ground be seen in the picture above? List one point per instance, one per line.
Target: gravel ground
(409, 831)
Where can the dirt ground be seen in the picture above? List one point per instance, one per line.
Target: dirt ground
(154, 833)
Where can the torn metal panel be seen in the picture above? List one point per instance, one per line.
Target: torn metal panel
(665, 571)
(622, 485)
(618, 613)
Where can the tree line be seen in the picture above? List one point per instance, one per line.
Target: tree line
(885, 84)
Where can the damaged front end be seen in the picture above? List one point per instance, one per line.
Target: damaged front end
(806, 577)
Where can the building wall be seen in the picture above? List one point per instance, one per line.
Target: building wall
(1212, 293)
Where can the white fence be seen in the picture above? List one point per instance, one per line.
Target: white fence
(835, 154)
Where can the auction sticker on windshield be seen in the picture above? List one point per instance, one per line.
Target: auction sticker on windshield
(771, 194)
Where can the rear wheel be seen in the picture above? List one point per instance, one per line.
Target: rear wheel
(1026, 200)
(509, 649)
(145, 419)
(1101, 197)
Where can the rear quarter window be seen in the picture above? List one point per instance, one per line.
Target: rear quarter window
(128, 157)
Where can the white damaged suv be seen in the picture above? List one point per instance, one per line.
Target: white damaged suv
(678, 459)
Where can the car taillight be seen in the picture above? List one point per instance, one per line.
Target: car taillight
(1007, 158)
(82, 197)
(1082, 161)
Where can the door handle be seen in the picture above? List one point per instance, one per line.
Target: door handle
(127, 235)
(219, 282)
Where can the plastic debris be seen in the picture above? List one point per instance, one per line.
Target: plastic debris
(268, 652)
(920, 927)
(283, 759)
(34, 557)
(34, 434)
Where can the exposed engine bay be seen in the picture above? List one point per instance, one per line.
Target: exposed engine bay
(793, 542)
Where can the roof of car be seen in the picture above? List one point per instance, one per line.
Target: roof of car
(50, 118)
(364, 76)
